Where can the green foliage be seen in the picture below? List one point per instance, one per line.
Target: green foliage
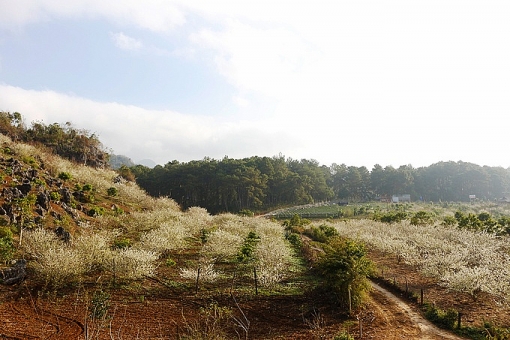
(65, 176)
(87, 187)
(99, 305)
(7, 151)
(55, 196)
(493, 332)
(204, 235)
(122, 243)
(296, 221)
(6, 244)
(95, 211)
(346, 267)
(170, 263)
(343, 336)
(322, 233)
(294, 239)
(25, 206)
(446, 319)
(112, 191)
(246, 212)
(483, 221)
(391, 217)
(248, 248)
(422, 218)
(449, 221)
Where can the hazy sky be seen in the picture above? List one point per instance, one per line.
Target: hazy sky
(355, 82)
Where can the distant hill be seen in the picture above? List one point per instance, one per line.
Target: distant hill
(147, 162)
(116, 161)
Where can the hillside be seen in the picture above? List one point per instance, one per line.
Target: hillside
(92, 249)
(97, 258)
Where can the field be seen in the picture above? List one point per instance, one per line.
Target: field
(136, 267)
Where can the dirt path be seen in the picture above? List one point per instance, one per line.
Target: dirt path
(397, 320)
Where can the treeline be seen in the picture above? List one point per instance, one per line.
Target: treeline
(261, 183)
(77, 145)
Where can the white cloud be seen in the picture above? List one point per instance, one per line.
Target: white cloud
(161, 135)
(153, 15)
(355, 74)
(125, 42)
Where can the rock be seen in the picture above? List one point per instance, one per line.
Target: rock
(43, 199)
(15, 274)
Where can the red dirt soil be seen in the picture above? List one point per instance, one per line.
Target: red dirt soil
(153, 311)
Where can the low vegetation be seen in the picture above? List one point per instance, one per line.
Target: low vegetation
(88, 229)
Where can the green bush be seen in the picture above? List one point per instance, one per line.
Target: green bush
(65, 176)
(343, 336)
(99, 305)
(122, 243)
(294, 239)
(443, 318)
(345, 268)
(422, 218)
(96, 211)
(391, 217)
(112, 191)
(246, 212)
(6, 244)
(322, 233)
(87, 187)
(248, 248)
(55, 196)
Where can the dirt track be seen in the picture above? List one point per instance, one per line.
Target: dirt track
(397, 320)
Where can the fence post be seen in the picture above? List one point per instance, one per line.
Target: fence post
(459, 320)
(256, 282)
(421, 296)
(196, 284)
(350, 300)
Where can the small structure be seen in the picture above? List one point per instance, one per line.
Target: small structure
(401, 198)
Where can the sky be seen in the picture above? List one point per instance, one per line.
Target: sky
(359, 83)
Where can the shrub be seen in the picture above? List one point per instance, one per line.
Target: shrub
(132, 264)
(87, 187)
(449, 221)
(165, 238)
(294, 239)
(59, 267)
(246, 212)
(222, 244)
(112, 191)
(272, 257)
(65, 175)
(94, 250)
(443, 318)
(321, 233)
(422, 218)
(96, 211)
(247, 249)
(345, 266)
(207, 271)
(99, 305)
(122, 243)
(6, 245)
(55, 196)
(391, 217)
